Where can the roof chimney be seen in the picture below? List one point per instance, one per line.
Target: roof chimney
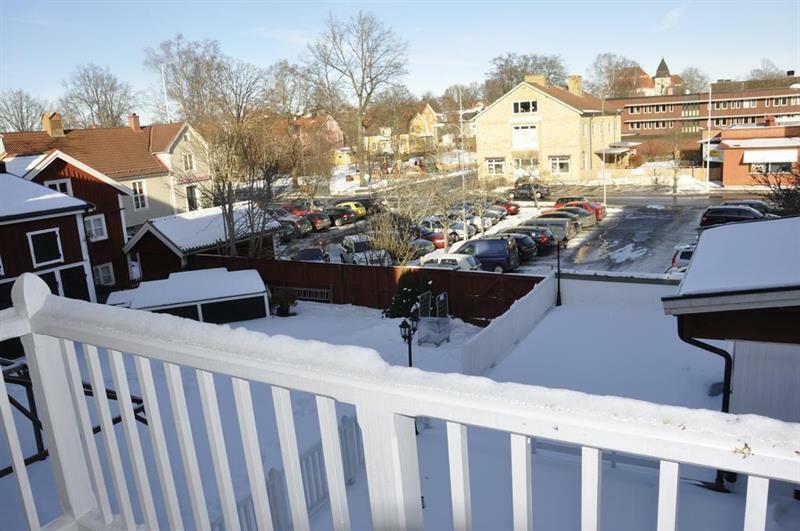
(133, 122)
(539, 79)
(52, 124)
(575, 85)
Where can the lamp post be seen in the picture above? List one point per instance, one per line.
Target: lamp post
(407, 332)
(603, 143)
(558, 273)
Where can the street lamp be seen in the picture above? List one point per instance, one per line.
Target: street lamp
(558, 273)
(407, 332)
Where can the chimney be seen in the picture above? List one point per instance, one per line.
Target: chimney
(539, 79)
(575, 85)
(769, 121)
(133, 122)
(52, 124)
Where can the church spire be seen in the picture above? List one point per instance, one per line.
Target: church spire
(663, 69)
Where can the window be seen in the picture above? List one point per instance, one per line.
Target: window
(523, 107)
(771, 167)
(104, 274)
(96, 228)
(139, 195)
(60, 185)
(45, 247)
(749, 104)
(720, 104)
(524, 137)
(525, 163)
(495, 166)
(559, 165)
(191, 197)
(188, 162)
(736, 104)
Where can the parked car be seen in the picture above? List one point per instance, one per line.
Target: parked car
(681, 257)
(562, 201)
(719, 215)
(358, 249)
(455, 230)
(355, 206)
(300, 226)
(756, 204)
(511, 208)
(340, 216)
(543, 237)
(558, 214)
(422, 247)
(529, 191)
(599, 209)
(372, 205)
(494, 253)
(526, 247)
(585, 217)
(318, 220)
(298, 209)
(437, 238)
(312, 254)
(465, 262)
(562, 229)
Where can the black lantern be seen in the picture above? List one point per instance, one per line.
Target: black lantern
(407, 332)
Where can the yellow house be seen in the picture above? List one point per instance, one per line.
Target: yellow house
(540, 129)
(411, 131)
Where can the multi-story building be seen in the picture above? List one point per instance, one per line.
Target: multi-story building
(538, 128)
(412, 130)
(638, 82)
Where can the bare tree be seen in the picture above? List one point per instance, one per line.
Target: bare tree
(784, 188)
(510, 69)
(608, 77)
(19, 111)
(767, 70)
(352, 60)
(694, 79)
(95, 96)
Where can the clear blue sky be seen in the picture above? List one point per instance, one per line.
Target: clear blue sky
(449, 42)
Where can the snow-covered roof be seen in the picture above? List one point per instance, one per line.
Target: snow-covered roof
(21, 164)
(22, 198)
(190, 287)
(719, 265)
(203, 228)
(762, 142)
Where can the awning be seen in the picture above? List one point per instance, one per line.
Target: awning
(624, 144)
(770, 155)
(612, 151)
(754, 143)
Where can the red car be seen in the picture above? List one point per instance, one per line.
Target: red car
(512, 209)
(299, 210)
(599, 209)
(437, 238)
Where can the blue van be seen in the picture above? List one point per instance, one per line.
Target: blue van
(495, 254)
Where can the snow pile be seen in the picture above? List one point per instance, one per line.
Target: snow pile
(687, 183)
(21, 197)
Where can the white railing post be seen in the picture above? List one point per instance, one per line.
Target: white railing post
(54, 403)
(390, 453)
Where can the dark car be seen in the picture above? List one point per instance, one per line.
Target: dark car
(545, 240)
(755, 204)
(318, 220)
(719, 215)
(529, 191)
(526, 247)
(559, 214)
(422, 247)
(494, 253)
(312, 254)
(340, 216)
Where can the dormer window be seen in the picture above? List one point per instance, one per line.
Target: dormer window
(524, 107)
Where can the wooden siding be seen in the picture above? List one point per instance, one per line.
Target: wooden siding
(15, 252)
(156, 260)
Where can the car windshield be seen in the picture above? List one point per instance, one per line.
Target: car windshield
(362, 247)
(309, 254)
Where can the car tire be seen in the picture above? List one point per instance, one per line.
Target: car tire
(498, 269)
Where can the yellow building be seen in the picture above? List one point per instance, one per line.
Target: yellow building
(410, 131)
(540, 129)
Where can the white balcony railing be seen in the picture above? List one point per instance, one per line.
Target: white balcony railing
(386, 400)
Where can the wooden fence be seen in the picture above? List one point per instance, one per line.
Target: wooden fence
(475, 297)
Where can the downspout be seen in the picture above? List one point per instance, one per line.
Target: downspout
(726, 383)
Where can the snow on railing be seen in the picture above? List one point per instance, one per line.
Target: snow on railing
(386, 399)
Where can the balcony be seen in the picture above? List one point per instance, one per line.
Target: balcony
(130, 481)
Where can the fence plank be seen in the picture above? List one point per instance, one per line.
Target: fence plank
(183, 430)
(521, 482)
(219, 454)
(591, 468)
(291, 458)
(158, 442)
(755, 509)
(87, 434)
(460, 492)
(131, 431)
(252, 453)
(337, 491)
(110, 437)
(667, 496)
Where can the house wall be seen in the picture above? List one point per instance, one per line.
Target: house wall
(734, 171)
(159, 199)
(105, 199)
(765, 377)
(156, 260)
(15, 252)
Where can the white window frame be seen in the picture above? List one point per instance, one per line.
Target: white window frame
(558, 159)
(533, 105)
(59, 260)
(190, 158)
(493, 163)
(98, 276)
(91, 235)
(145, 203)
(56, 182)
(520, 146)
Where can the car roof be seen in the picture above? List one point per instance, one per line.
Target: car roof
(356, 238)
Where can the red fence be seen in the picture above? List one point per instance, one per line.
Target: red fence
(475, 297)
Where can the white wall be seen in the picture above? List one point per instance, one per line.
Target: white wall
(489, 346)
(633, 293)
(766, 380)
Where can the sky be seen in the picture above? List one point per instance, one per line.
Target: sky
(41, 42)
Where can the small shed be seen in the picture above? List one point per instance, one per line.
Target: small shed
(752, 301)
(206, 295)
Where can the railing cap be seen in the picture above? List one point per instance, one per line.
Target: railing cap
(29, 294)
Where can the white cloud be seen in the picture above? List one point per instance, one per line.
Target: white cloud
(294, 37)
(671, 18)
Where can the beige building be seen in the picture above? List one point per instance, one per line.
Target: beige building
(411, 131)
(540, 129)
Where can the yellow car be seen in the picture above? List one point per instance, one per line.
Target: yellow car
(355, 206)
